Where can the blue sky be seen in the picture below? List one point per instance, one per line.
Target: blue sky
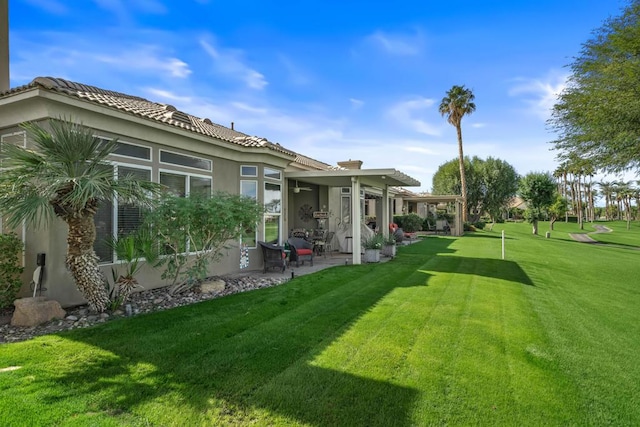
(334, 80)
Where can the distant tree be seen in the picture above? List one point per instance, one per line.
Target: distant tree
(538, 190)
(499, 183)
(557, 209)
(447, 180)
(66, 175)
(597, 116)
(490, 184)
(457, 103)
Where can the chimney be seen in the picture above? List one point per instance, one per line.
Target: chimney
(351, 164)
(4, 46)
(232, 126)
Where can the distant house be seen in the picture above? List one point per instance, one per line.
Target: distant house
(158, 142)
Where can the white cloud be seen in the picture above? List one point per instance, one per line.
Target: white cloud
(407, 44)
(420, 150)
(124, 10)
(295, 74)
(50, 6)
(478, 125)
(540, 94)
(404, 111)
(356, 103)
(145, 58)
(166, 95)
(230, 62)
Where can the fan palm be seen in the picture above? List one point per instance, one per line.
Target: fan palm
(457, 103)
(67, 175)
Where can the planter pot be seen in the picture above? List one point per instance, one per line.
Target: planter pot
(389, 250)
(371, 255)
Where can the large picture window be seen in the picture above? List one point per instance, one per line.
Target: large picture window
(273, 206)
(249, 188)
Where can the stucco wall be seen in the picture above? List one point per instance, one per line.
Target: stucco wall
(109, 123)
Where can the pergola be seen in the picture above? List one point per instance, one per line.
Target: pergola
(457, 229)
(357, 179)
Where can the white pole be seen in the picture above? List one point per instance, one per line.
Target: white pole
(502, 244)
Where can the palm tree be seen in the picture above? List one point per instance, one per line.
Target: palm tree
(457, 103)
(66, 175)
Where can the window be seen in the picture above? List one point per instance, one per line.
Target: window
(19, 139)
(127, 149)
(117, 219)
(272, 174)
(273, 205)
(184, 160)
(345, 209)
(248, 170)
(132, 150)
(249, 189)
(180, 184)
(249, 235)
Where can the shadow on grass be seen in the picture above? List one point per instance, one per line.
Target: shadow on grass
(486, 267)
(223, 361)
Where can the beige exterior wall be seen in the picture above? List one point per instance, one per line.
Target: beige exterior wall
(226, 157)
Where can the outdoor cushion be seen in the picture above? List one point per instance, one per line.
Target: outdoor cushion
(301, 250)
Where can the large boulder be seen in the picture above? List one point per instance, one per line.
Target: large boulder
(36, 311)
(213, 287)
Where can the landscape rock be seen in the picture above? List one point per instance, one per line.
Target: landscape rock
(34, 311)
(213, 287)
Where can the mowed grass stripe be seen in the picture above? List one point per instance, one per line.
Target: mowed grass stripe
(446, 333)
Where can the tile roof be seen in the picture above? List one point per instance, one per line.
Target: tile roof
(144, 108)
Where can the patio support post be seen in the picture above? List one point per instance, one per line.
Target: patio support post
(459, 224)
(383, 224)
(356, 219)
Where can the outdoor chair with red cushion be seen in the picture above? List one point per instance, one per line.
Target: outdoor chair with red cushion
(301, 250)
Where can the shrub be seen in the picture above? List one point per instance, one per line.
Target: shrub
(479, 225)
(10, 270)
(196, 230)
(411, 223)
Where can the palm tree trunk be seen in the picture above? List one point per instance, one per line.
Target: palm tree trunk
(463, 177)
(82, 262)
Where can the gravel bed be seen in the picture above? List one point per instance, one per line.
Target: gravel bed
(138, 303)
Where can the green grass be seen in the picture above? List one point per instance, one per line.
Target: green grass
(446, 333)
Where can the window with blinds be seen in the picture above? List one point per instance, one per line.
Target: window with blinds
(117, 219)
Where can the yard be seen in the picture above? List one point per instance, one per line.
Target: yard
(446, 333)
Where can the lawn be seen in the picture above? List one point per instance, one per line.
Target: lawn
(446, 333)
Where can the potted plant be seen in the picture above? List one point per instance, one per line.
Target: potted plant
(389, 246)
(372, 247)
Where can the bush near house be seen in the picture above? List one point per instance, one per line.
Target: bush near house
(409, 223)
(10, 270)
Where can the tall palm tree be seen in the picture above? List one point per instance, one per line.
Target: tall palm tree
(457, 103)
(66, 175)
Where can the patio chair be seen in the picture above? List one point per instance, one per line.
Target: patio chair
(299, 232)
(442, 225)
(323, 244)
(274, 256)
(301, 250)
(328, 243)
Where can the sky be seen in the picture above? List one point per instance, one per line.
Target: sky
(333, 80)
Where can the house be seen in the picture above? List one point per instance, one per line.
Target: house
(160, 143)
